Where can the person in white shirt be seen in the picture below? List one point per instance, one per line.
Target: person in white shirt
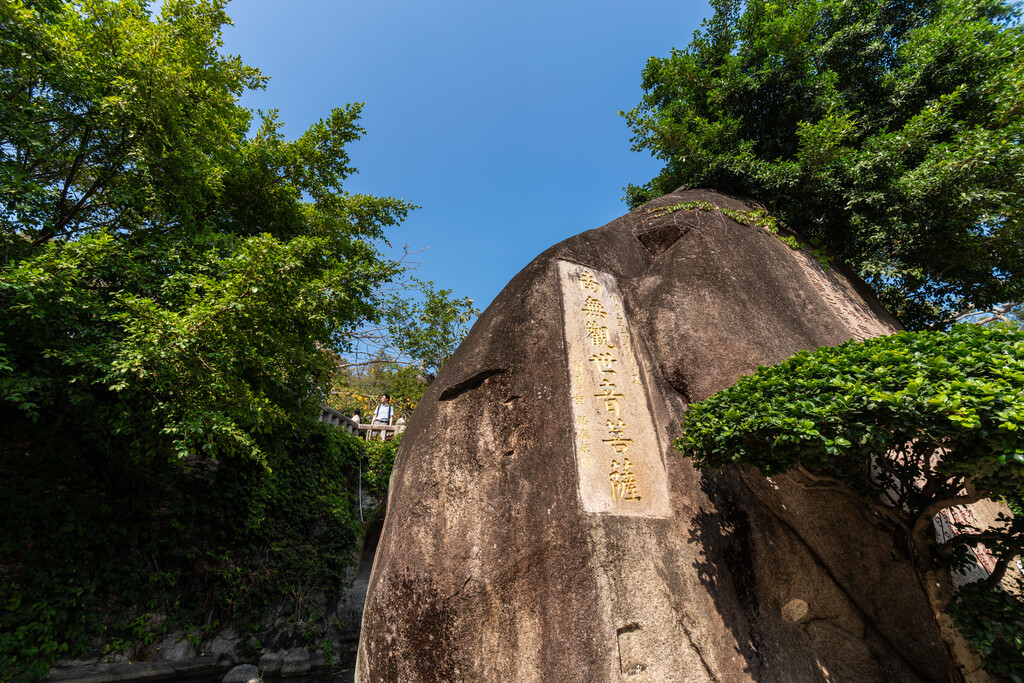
(383, 413)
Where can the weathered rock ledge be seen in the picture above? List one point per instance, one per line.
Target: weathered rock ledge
(226, 657)
(271, 666)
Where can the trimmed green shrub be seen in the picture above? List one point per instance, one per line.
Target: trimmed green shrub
(909, 424)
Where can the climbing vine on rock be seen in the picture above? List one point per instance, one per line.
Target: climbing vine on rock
(758, 218)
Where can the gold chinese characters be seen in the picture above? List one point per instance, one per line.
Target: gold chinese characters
(611, 399)
(623, 481)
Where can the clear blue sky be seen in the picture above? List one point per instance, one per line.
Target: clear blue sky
(499, 119)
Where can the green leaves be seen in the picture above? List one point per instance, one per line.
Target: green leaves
(958, 392)
(167, 280)
(890, 132)
(380, 461)
(910, 424)
(174, 292)
(430, 329)
(994, 623)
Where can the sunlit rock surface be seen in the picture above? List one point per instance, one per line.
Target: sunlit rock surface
(542, 528)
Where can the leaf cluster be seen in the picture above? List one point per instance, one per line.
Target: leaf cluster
(170, 284)
(757, 218)
(833, 411)
(430, 327)
(195, 546)
(994, 622)
(380, 463)
(359, 393)
(908, 424)
(887, 129)
(176, 283)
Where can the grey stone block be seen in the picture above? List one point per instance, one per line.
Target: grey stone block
(222, 646)
(174, 647)
(243, 673)
(270, 663)
(296, 663)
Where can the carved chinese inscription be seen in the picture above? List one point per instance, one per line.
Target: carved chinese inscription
(624, 481)
(618, 457)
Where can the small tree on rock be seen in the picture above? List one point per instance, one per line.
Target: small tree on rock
(909, 424)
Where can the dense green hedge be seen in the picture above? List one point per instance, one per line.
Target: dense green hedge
(908, 424)
(994, 623)
(118, 556)
(380, 461)
(836, 407)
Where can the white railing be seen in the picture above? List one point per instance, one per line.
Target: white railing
(352, 425)
(339, 420)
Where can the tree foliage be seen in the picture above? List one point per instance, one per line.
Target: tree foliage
(174, 293)
(909, 424)
(421, 328)
(380, 462)
(193, 546)
(993, 621)
(887, 129)
(429, 330)
(359, 391)
(156, 255)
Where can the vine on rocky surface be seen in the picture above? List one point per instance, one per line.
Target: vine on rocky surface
(93, 573)
(758, 218)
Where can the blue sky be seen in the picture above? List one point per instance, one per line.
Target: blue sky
(499, 119)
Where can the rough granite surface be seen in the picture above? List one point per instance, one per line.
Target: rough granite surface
(490, 569)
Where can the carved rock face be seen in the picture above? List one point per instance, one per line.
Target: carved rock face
(540, 526)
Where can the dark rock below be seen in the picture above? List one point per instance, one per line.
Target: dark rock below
(243, 673)
(520, 545)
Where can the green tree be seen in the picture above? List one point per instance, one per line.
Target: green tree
(154, 254)
(909, 424)
(357, 389)
(174, 293)
(419, 331)
(428, 331)
(380, 462)
(888, 130)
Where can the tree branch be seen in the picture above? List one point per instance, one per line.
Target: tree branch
(904, 485)
(83, 147)
(999, 571)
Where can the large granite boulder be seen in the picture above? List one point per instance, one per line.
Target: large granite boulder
(541, 527)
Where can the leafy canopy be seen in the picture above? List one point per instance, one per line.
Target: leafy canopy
(420, 329)
(357, 390)
(174, 289)
(380, 462)
(430, 329)
(170, 284)
(957, 397)
(889, 130)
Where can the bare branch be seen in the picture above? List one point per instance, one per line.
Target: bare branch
(819, 481)
(967, 538)
(378, 361)
(998, 312)
(999, 571)
(904, 484)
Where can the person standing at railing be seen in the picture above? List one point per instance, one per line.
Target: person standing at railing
(383, 413)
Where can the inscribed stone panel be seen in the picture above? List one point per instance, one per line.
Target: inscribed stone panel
(618, 457)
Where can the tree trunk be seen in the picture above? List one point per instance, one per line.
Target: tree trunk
(964, 660)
